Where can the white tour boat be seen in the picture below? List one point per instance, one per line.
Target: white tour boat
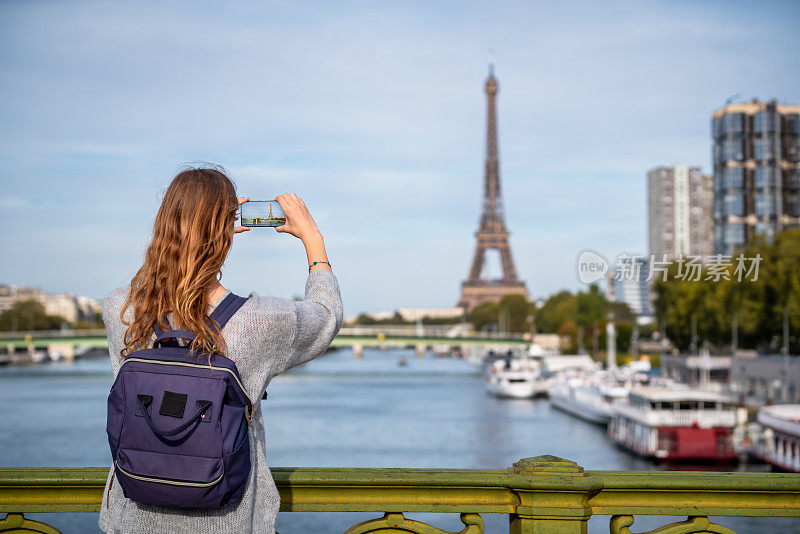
(517, 378)
(593, 396)
(779, 443)
(590, 397)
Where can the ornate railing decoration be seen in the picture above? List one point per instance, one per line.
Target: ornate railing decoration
(396, 522)
(692, 525)
(541, 495)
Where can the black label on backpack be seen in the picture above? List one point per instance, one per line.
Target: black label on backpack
(173, 404)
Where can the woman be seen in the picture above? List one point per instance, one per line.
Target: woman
(179, 279)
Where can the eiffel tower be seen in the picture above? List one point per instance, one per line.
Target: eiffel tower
(492, 233)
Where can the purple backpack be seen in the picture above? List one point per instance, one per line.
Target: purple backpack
(177, 427)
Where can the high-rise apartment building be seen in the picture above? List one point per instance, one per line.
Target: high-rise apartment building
(679, 214)
(756, 171)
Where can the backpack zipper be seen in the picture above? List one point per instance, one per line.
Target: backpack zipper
(185, 364)
(170, 481)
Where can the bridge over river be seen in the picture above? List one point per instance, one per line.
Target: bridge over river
(20, 346)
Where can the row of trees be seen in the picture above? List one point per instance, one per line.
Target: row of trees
(580, 318)
(30, 315)
(760, 304)
(706, 307)
(397, 319)
(758, 307)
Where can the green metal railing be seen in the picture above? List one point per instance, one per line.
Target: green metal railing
(541, 495)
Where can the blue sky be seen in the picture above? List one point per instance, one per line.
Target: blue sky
(374, 114)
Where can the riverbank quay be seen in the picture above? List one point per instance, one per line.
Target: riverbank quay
(540, 495)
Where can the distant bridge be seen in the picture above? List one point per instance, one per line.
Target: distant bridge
(69, 343)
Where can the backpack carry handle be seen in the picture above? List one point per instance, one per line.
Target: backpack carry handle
(183, 334)
(203, 406)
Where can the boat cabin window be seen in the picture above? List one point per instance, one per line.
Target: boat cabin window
(636, 400)
(681, 405)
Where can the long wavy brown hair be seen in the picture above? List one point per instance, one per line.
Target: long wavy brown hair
(192, 235)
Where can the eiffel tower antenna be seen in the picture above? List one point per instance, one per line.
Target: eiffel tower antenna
(492, 232)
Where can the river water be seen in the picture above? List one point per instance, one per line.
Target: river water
(335, 411)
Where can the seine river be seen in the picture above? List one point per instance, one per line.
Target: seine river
(334, 411)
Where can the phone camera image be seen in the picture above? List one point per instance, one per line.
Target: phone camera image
(261, 213)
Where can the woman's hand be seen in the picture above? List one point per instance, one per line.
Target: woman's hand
(299, 222)
(238, 229)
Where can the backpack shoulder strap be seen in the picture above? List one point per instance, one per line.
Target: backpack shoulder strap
(222, 313)
(225, 309)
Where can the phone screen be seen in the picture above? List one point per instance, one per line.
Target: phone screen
(256, 213)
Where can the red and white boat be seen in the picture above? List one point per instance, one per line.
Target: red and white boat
(780, 441)
(675, 423)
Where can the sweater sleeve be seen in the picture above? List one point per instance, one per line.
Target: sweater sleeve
(115, 329)
(317, 320)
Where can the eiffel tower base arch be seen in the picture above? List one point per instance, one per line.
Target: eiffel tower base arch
(474, 294)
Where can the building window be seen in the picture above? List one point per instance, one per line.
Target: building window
(765, 177)
(765, 122)
(718, 234)
(716, 127)
(733, 149)
(733, 177)
(791, 123)
(766, 205)
(793, 205)
(718, 183)
(793, 180)
(764, 148)
(718, 207)
(734, 204)
(792, 148)
(735, 234)
(733, 123)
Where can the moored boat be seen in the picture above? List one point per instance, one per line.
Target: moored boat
(675, 423)
(591, 397)
(779, 443)
(517, 378)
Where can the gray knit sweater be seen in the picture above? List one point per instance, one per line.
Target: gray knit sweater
(265, 337)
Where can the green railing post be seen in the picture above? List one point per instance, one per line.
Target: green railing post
(553, 497)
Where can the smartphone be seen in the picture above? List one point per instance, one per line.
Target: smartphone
(261, 213)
